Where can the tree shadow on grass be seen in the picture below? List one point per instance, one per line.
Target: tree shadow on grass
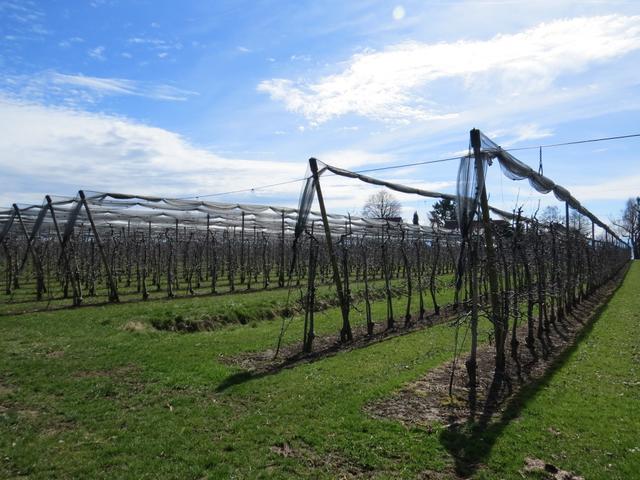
(238, 378)
(470, 444)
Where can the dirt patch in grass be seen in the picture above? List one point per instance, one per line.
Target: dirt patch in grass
(135, 326)
(123, 371)
(5, 390)
(331, 462)
(291, 355)
(545, 470)
(446, 474)
(55, 354)
(427, 400)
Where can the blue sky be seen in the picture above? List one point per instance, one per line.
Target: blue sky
(199, 97)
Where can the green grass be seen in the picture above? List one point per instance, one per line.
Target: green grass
(81, 397)
(585, 415)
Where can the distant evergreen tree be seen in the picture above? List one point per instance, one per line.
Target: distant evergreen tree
(442, 211)
(416, 220)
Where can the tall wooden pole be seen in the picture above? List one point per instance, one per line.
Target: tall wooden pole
(113, 290)
(499, 323)
(36, 260)
(570, 296)
(281, 274)
(75, 285)
(345, 333)
(242, 271)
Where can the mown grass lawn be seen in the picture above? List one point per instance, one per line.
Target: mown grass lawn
(82, 397)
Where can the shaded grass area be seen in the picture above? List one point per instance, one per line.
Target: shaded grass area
(82, 396)
(580, 416)
(584, 414)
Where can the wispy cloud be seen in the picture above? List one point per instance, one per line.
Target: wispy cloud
(155, 43)
(520, 133)
(97, 52)
(78, 89)
(393, 84)
(22, 20)
(119, 86)
(70, 41)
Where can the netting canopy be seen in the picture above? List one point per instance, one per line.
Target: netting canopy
(112, 211)
(514, 169)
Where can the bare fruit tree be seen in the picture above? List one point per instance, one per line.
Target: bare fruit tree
(381, 205)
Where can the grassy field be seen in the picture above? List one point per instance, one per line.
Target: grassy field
(85, 395)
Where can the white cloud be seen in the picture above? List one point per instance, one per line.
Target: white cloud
(520, 133)
(242, 49)
(619, 188)
(62, 150)
(97, 53)
(392, 84)
(352, 158)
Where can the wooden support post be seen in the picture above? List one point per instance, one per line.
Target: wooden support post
(176, 278)
(471, 362)
(113, 289)
(242, 271)
(346, 333)
(281, 276)
(499, 323)
(75, 284)
(570, 297)
(37, 265)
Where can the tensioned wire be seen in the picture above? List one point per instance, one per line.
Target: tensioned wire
(425, 162)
